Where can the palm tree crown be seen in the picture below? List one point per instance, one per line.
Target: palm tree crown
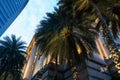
(12, 51)
(61, 35)
(109, 9)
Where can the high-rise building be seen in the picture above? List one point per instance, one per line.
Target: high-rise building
(9, 10)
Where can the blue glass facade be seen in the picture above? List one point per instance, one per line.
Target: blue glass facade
(9, 10)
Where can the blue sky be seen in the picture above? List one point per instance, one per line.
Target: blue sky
(25, 24)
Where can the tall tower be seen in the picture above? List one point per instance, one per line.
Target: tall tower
(9, 10)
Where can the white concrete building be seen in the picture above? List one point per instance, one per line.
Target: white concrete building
(94, 67)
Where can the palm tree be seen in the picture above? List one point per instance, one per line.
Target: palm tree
(68, 28)
(108, 12)
(59, 29)
(12, 51)
(61, 36)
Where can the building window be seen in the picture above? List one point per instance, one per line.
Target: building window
(1, 23)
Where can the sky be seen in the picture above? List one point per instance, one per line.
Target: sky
(25, 24)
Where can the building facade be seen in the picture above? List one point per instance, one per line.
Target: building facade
(94, 68)
(9, 10)
(29, 66)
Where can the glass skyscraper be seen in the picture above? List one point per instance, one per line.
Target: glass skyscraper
(9, 10)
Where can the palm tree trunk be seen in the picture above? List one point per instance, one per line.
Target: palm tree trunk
(5, 76)
(106, 29)
(56, 71)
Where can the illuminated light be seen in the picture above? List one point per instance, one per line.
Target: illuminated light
(112, 51)
(95, 23)
(103, 69)
(118, 64)
(99, 49)
(103, 49)
(110, 56)
(43, 62)
(53, 61)
(78, 49)
(119, 50)
(48, 59)
(74, 68)
(97, 20)
(118, 67)
(38, 79)
(119, 71)
(115, 62)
